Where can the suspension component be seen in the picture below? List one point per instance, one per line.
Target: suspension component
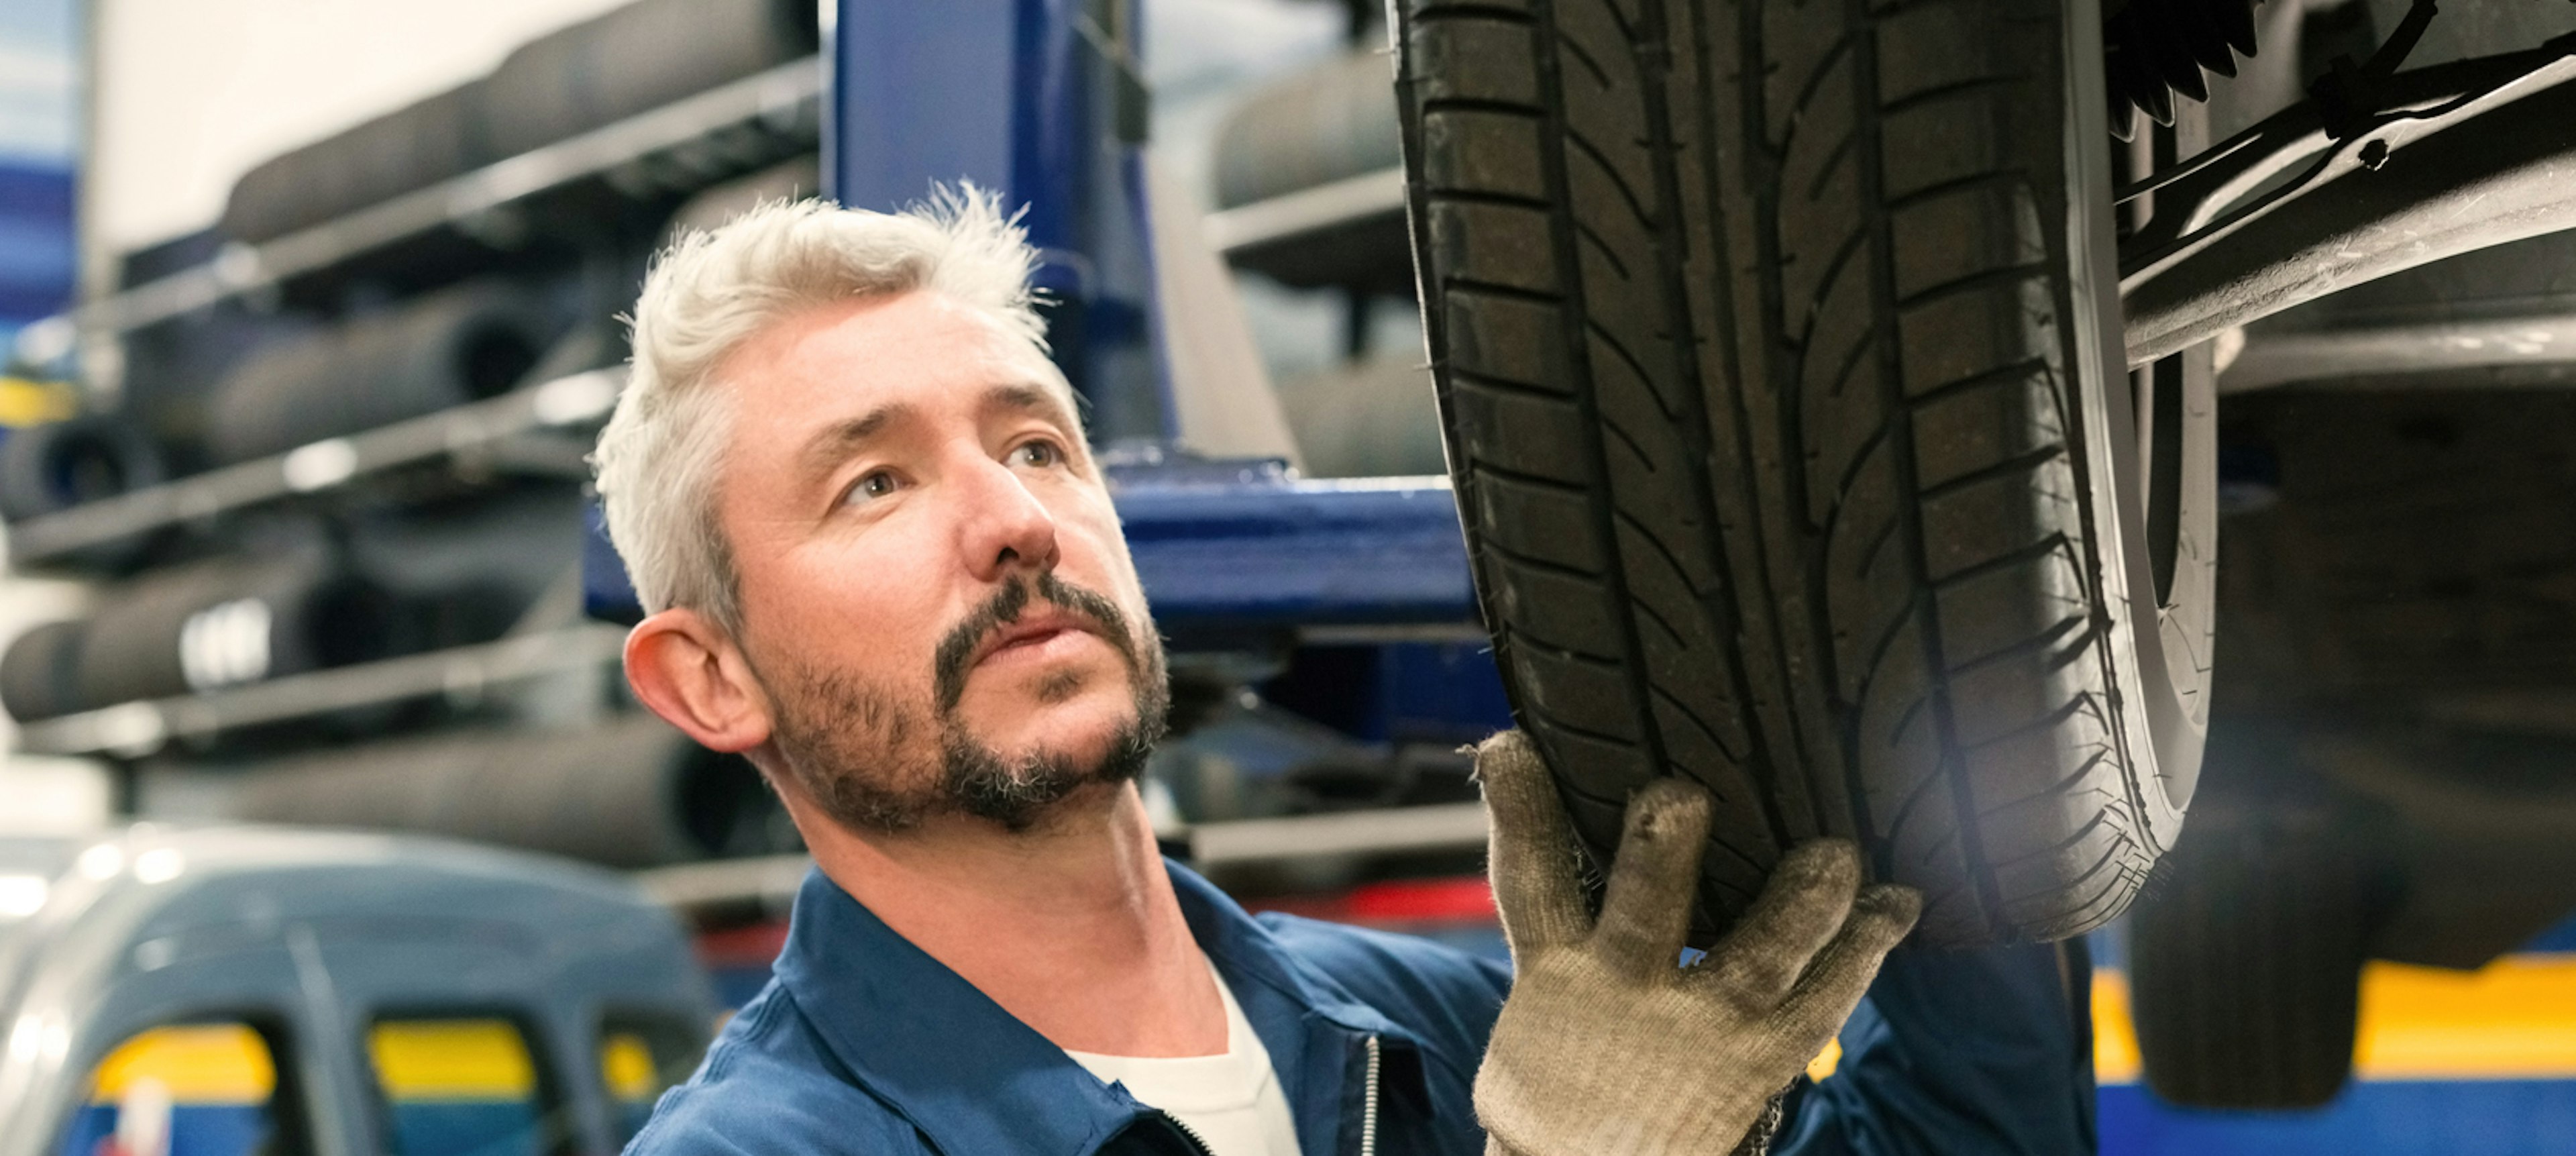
(2157, 49)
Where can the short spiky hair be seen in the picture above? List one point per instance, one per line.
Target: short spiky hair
(713, 291)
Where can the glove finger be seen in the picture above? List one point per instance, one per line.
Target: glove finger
(1536, 866)
(1655, 879)
(1881, 917)
(1802, 907)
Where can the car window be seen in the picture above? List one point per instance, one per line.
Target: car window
(641, 1056)
(198, 1089)
(460, 1085)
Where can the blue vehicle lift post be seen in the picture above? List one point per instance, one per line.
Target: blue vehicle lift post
(1043, 102)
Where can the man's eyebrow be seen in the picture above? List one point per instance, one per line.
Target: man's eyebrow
(836, 442)
(1033, 400)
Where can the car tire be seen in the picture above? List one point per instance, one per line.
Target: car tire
(630, 793)
(633, 59)
(375, 161)
(38, 675)
(2245, 958)
(1779, 359)
(459, 345)
(229, 621)
(49, 468)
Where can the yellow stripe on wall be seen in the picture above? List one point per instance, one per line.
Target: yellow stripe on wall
(479, 1059)
(2514, 1019)
(196, 1063)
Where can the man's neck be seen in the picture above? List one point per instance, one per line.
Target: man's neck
(1070, 926)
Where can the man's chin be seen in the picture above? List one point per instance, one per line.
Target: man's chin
(1017, 791)
(1080, 731)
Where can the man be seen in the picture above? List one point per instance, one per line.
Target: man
(880, 562)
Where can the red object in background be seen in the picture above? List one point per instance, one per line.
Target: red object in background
(755, 945)
(1396, 902)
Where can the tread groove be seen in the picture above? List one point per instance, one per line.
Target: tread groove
(2017, 371)
(1636, 208)
(2016, 464)
(2006, 560)
(1457, 196)
(1600, 75)
(1525, 478)
(1983, 279)
(1481, 104)
(2036, 644)
(1951, 91)
(1505, 385)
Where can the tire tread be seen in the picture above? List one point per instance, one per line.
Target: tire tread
(1810, 530)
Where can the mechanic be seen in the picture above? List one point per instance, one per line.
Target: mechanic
(881, 562)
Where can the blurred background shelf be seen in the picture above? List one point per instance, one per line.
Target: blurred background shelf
(481, 435)
(691, 143)
(137, 729)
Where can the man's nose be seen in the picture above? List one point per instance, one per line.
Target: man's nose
(1004, 527)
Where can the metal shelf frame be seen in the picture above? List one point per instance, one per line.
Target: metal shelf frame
(1335, 204)
(1248, 557)
(136, 729)
(573, 401)
(785, 99)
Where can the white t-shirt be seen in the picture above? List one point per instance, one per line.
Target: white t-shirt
(1232, 1101)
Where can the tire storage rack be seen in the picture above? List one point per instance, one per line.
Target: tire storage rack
(330, 487)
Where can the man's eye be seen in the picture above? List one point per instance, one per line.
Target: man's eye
(1039, 454)
(871, 487)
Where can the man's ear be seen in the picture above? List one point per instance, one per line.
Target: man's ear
(693, 675)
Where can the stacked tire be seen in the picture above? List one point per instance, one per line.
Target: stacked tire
(410, 148)
(628, 61)
(40, 672)
(635, 59)
(49, 468)
(632, 793)
(456, 346)
(199, 627)
(1329, 123)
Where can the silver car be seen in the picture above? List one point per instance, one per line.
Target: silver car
(230, 991)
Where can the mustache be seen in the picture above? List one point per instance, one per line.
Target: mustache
(957, 648)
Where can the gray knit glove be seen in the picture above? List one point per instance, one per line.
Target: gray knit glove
(1607, 1045)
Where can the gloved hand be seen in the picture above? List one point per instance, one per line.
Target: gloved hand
(1608, 1045)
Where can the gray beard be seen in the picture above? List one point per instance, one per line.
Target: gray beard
(846, 741)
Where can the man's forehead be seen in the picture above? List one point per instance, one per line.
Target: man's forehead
(837, 362)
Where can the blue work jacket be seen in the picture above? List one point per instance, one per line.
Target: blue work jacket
(862, 1043)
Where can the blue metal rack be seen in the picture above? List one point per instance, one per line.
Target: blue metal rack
(1041, 101)
(1254, 560)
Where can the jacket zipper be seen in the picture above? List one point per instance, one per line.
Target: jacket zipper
(1368, 1111)
(1368, 1105)
(1197, 1142)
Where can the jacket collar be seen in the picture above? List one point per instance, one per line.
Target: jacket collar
(974, 1079)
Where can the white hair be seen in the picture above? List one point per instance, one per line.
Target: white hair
(713, 291)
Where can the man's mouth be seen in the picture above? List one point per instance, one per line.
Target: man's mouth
(1029, 621)
(1029, 634)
